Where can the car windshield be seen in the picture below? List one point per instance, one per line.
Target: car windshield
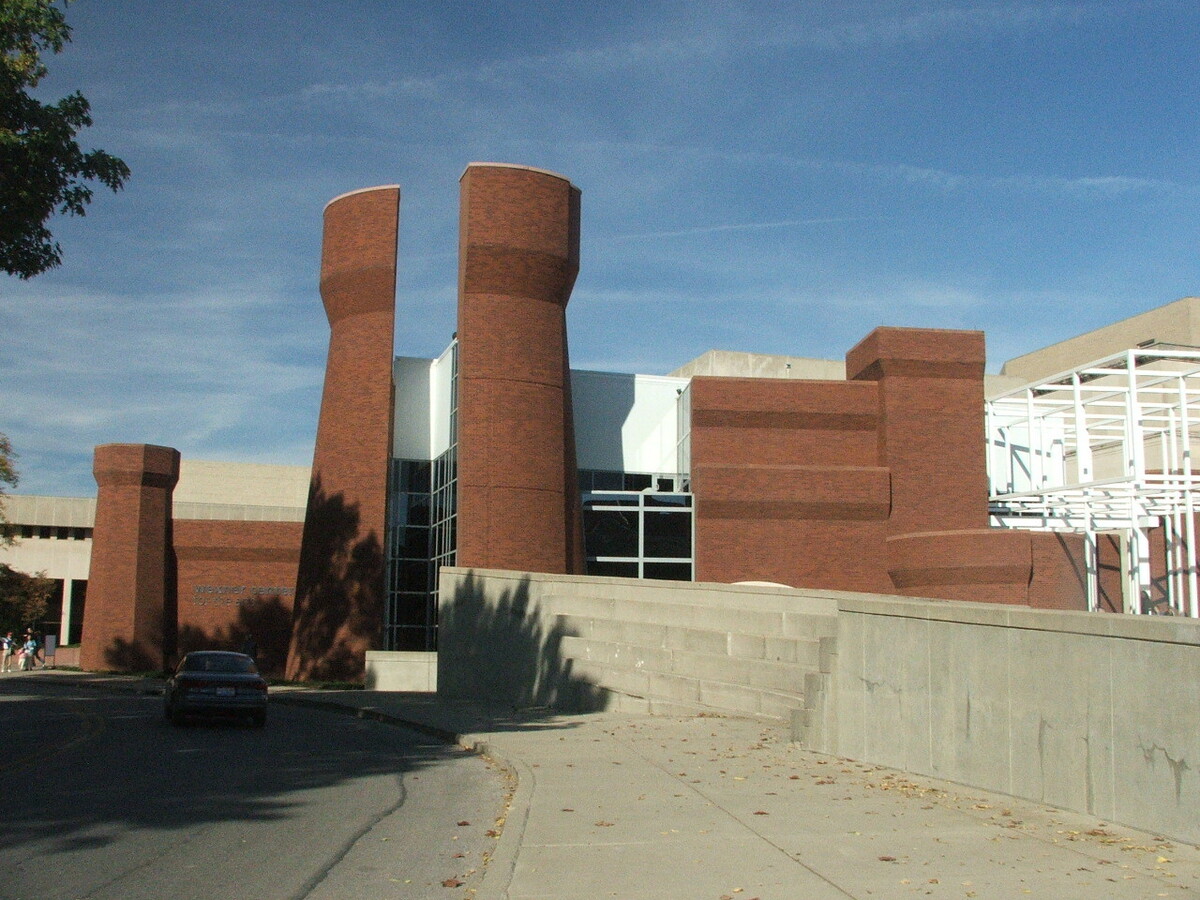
(229, 663)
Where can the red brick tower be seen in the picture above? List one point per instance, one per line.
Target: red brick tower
(340, 584)
(518, 496)
(131, 582)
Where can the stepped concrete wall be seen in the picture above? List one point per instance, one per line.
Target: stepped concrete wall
(583, 643)
(1091, 712)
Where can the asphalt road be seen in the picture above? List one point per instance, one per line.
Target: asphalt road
(103, 799)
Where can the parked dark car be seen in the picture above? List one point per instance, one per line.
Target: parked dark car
(215, 683)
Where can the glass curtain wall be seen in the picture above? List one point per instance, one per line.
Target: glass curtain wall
(637, 525)
(422, 519)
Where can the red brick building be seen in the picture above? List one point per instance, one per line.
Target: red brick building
(498, 455)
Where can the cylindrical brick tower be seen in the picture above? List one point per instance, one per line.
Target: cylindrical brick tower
(340, 583)
(131, 582)
(518, 496)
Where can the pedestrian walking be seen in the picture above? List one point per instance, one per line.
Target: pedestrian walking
(29, 652)
(8, 647)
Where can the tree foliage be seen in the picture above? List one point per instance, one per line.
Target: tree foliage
(8, 479)
(42, 168)
(24, 599)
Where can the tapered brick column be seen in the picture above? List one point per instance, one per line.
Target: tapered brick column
(518, 497)
(130, 600)
(340, 586)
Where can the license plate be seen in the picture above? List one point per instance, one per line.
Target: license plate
(226, 692)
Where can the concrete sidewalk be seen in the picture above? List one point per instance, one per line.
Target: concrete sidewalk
(627, 806)
(721, 808)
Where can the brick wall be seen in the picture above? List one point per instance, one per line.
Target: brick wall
(236, 580)
(876, 484)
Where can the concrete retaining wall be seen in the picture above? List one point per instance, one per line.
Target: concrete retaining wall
(1091, 712)
(401, 670)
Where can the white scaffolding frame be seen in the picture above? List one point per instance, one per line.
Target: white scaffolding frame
(1107, 448)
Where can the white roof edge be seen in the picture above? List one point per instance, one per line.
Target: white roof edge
(497, 165)
(378, 187)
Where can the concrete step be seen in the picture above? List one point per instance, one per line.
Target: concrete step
(803, 651)
(812, 602)
(778, 623)
(760, 674)
(643, 690)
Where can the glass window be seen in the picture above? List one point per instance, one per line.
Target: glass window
(675, 500)
(668, 535)
(636, 481)
(668, 571)
(610, 532)
(613, 569)
(416, 543)
(608, 481)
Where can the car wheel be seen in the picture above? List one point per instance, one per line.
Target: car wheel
(259, 718)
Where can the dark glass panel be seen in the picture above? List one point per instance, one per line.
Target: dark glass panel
(410, 639)
(416, 543)
(667, 571)
(410, 610)
(610, 532)
(418, 509)
(414, 575)
(668, 535)
(608, 481)
(610, 500)
(612, 569)
(676, 500)
(636, 481)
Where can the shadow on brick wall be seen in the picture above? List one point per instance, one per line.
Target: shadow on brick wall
(131, 656)
(339, 592)
(494, 646)
(265, 620)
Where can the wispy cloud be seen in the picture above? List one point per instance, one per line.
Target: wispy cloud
(742, 226)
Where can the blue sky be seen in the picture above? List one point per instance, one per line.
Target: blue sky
(774, 177)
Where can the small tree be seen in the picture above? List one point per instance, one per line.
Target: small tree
(8, 479)
(42, 168)
(24, 599)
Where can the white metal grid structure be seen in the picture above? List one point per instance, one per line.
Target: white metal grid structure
(1103, 449)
